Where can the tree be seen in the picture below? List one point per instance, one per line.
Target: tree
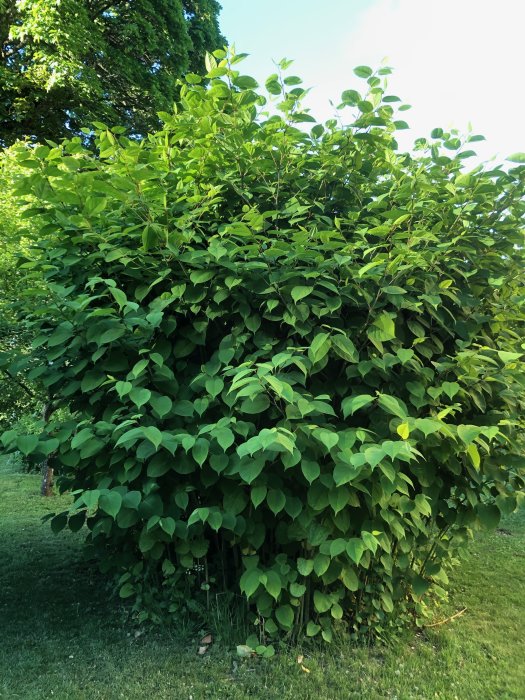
(65, 64)
(293, 358)
(17, 397)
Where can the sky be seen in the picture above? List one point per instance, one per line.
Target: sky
(455, 61)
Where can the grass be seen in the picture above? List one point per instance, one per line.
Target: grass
(62, 636)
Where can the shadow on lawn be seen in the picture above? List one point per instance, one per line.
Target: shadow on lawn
(48, 589)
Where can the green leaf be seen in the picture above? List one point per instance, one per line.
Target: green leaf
(255, 405)
(110, 335)
(140, 396)
(327, 437)
(349, 579)
(110, 503)
(201, 276)
(489, 515)
(405, 355)
(339, 498)
(299, 293)
(250, 582)
(123, 388)
(363, 71)
(58, 523)
(386, 599)
(319, 347)
(161, 405)
(27, 443)
(353, 403)
(168, 525)
(344, 347)
(365, 106)
(245, 82)
(285, 616)
(92, 380)
(276, 500)
(374, 454)
(127, 590)
(153, 435)
(420, 585)
(90, 498)
(394, 291)
(337, 547)
(473, 453)
(297, 590)
(369, 541)
(215, 520)
(258, 494)
(384, 327)
(312, 629)
(450, 389)
(200, 450)
(392, 405)
(272, 583)
(224, 437)
(310, 469)
(305, 566)
(422, 504)
(250, 471)
(516, 158)
(273, 86)
(131, 499)
(509, 356)
(468, 433)
(350, 97)
(355, 549)
(321, 563)
(322, 602)
(336, 611)
(428, 426)
(214, 386)
(182, 499)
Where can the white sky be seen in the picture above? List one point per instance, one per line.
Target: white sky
(454, 61)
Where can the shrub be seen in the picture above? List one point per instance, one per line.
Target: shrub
(292, 357)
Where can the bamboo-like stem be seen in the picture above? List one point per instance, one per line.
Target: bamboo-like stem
(447, 619)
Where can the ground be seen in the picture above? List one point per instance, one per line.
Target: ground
(63, 637)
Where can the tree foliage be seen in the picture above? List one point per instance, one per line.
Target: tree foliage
(17, 397)
(293, 357)
(64, 64)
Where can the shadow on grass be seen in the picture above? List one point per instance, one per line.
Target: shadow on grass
(64, 637)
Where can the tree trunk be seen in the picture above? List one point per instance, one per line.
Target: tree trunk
(47, 471)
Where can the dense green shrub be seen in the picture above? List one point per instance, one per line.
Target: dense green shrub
(292, 356)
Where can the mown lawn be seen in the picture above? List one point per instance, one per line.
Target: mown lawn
(62, 637)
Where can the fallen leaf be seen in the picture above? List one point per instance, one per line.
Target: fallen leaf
(300, 659)
(244, 650)
(306, 670)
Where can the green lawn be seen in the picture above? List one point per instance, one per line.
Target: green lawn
(63, 638)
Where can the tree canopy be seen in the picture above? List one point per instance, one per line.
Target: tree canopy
(65, 64)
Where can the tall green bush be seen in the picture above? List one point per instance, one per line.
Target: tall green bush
(293, 357)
